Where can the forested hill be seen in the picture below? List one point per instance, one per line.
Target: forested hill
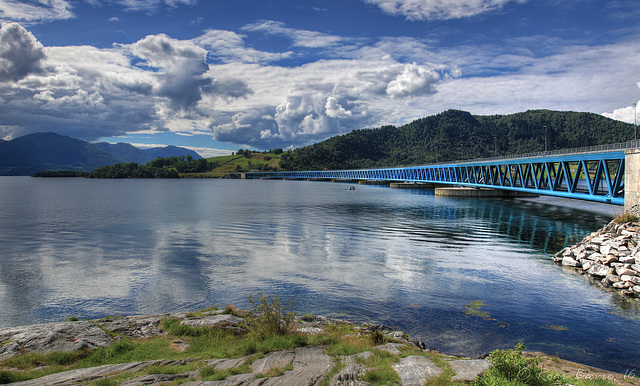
(456, 135)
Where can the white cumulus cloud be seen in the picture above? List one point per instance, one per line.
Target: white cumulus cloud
(413, 80)
(43, 10)
(439, 9)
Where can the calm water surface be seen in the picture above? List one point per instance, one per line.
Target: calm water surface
(408, 259)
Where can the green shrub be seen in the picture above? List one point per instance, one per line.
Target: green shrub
(269, 316)
(510, 367)
(378, 337)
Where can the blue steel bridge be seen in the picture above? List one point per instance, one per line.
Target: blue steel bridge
(594, 173)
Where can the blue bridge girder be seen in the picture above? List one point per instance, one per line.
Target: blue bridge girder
(592, 176)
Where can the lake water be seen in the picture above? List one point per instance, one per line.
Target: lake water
(405, 258)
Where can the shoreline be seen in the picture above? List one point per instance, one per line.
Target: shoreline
(75, 336)
(610, 256)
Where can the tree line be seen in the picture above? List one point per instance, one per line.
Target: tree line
(458, 135)
(161, 167)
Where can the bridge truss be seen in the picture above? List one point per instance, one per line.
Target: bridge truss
(593, 176)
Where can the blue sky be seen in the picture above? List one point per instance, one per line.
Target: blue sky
(217, 76)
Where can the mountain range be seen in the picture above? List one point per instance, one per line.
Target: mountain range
(50, 151)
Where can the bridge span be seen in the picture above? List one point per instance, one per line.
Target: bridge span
(607, 173)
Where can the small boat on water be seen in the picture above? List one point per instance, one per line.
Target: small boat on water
(352, 188)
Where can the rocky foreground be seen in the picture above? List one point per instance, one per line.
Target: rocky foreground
(610, 255)
(307, 365)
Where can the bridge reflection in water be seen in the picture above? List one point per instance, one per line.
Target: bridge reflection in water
(593, 176)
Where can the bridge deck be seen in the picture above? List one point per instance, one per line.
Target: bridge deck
(597, 176)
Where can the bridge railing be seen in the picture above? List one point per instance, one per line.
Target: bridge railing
(634, 144)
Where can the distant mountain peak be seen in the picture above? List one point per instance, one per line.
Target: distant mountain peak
(38, 152)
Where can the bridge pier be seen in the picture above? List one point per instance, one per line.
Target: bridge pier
(481, 192)
(413, 185)
(631, 178)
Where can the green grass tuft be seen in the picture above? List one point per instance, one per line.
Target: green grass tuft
(625, 218)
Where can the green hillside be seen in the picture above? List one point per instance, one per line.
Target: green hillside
(457, 135)
(246, 161)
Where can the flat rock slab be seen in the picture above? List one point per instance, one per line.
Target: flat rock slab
(274, 360)
(155, 379)
(53, 337)
(310, 366)
(467, 370)
(416, 370)
(142, 326)
(224, 364)
(351, 372)
(86, 375)
(391, 348)
(213, 321)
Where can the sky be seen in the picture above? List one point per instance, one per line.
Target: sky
(219, 75)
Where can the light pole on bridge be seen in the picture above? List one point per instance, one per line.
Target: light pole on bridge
(545, 139)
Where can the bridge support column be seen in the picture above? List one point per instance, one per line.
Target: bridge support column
(631, 178)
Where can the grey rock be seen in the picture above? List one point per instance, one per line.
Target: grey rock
(416, 370)
(467, 370)
(396, 335)
(625, 272)
(52, 337)
(569, 262)
(140, 326)
(223, 364)
(627, 259)
(622, 284)
(86, 375)
(605, 249)
(310, 330)
(222, 320)
(597, 240)
(392, 348)
(595, 256)
(352, 372)
(613, 278)
(600, 270)
(277, 359)
(154, 379)
(586, 264)
(310, 366)
(9, 349)
(633, 279)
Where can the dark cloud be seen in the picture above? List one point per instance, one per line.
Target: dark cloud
(20, 53)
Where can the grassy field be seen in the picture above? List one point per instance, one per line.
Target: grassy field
(240, 163)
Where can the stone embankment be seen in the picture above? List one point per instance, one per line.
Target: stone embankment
(610, 255)
(307, 365)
